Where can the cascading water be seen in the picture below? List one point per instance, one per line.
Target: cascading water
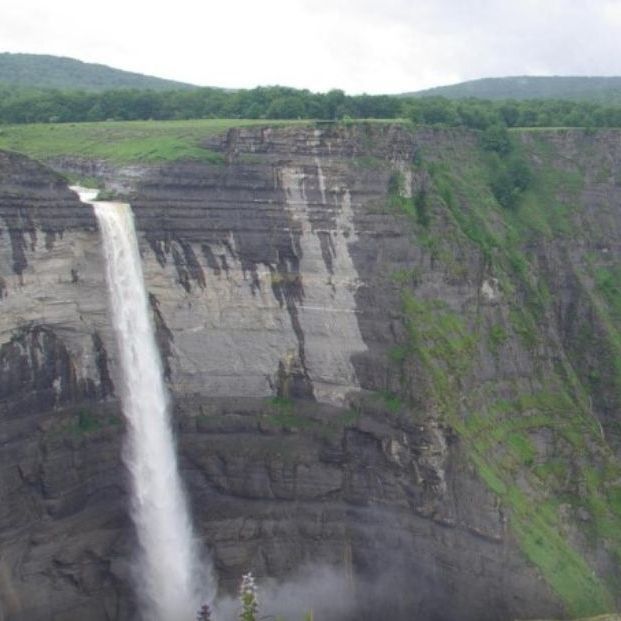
(171, 579)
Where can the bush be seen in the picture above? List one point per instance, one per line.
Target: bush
(496, 139)
(509, 178)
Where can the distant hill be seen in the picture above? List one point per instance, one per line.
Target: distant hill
(600, 89)
(43, 71)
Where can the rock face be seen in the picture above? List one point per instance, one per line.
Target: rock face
(373, 368)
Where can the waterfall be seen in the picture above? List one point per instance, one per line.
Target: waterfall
(170, 578)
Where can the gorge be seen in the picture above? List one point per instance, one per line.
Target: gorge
(374, 368)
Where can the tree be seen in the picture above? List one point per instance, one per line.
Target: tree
(496, 138)
(248, 599)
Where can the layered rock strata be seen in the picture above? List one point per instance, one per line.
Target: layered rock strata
(310, 425)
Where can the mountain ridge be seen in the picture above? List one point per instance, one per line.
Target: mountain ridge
(588, 88)
(60, 72)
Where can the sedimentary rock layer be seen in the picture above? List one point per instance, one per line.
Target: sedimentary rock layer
(295, 290)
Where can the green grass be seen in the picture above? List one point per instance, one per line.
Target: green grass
(607, 281)
(498, 443)
(498, 435)
(288, 414)
(280, 412)
(139, 141)
(605, 298)
(497, 337)
(123, 141)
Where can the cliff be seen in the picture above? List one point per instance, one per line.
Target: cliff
(373, 366)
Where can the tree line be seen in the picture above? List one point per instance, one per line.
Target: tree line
(276, 102)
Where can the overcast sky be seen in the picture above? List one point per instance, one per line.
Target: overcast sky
(373, 46)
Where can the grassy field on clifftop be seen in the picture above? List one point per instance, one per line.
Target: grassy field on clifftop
(122, 141)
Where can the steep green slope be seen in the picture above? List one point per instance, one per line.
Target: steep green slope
(545, 439)
(44, 71)
(600, 89)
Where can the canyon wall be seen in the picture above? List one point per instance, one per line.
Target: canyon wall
(375, 369)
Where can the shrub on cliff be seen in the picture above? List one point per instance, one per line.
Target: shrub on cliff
(509, 178)
(496, 138)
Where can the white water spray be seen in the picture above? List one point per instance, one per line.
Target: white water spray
(171, 581)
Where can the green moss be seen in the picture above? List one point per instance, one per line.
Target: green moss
(522, 447)
(288, 414)
(608, 285)
(398, 353)
(553, 472)
(497, 337)
(281, 412)
(614, 499)
(541, 538)
(440, 339)
(547, 208)
(524, 326)
(396, 195)
(409, 276)
(504, 430)
(391, 401)
(605, 298)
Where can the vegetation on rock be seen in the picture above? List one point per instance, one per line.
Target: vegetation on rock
(540, 492)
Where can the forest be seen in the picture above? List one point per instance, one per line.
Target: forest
(28, 105)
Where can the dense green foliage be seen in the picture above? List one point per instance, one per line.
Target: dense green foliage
(276, 102)
(510, 174)
(510, 177)
(584, 88)
(43, 71)
(271, 102)
(482, 114)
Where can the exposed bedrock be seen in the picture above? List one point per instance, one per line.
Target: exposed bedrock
(309, 314)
